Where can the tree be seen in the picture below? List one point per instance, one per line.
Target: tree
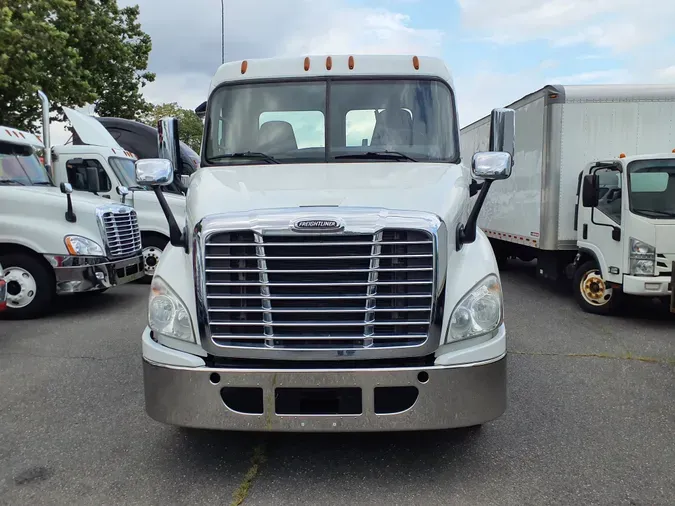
(77, 52)
(190, 126)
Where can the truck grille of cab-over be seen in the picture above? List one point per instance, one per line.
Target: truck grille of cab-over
(319, 291)
(122, 235)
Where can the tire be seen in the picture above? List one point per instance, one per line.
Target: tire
(31, 288)
(591, 292)
(153, 246)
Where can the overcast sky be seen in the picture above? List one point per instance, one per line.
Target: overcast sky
(497, 50)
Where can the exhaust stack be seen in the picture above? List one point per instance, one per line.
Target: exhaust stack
(45, 130)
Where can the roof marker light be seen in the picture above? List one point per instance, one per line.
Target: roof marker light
(622, 155)
(416, 62)
(329, 63)
(351, 63)
(244, 66)
(306, 63)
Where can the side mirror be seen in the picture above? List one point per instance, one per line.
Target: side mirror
(154, 172)
(66, 188)
(589, 191)
(185, 179)
(168, 143)
(123, 191)
(491, 165)
(92, 180)
(503, 131)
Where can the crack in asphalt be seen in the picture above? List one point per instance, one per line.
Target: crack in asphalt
(69, 357)
(257, 460)
(609, 356)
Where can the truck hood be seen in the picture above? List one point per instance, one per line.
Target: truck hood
(665, 238)
(435, 188)
(82, 200)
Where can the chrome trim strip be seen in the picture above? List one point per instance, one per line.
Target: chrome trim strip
(368, 221)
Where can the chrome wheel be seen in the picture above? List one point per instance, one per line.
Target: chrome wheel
(21, 287)
(151, 256)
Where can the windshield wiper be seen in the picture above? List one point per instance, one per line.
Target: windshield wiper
(654, 211)
(43, 183)
(12, 181)
(394, 155)
(246, 154)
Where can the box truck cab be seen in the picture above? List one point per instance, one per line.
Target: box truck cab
(54, 241)
(329, 275)
(99, 165)
(626, 228)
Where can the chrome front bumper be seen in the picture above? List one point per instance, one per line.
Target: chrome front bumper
(93, 274)
(447, 397)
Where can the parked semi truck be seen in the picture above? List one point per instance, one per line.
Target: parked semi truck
(99, 165)
(347, 289)
(54, 241)
(593, 195)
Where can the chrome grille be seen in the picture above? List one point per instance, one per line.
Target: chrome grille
(121, 232)
(345, 291)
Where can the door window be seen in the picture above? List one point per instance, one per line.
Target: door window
(76, 169)
(609, 193)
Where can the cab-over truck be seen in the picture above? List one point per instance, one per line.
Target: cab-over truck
(593, 196)
(329, 275)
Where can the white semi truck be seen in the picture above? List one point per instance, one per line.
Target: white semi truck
(329, 274)
(53, 241)
(593, 195)
(99, 165)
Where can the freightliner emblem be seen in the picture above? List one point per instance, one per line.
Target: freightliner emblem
(317, 225)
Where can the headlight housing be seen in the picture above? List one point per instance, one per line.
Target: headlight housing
(642, 258)
(78, 245)
(479, 312)
(167, 313)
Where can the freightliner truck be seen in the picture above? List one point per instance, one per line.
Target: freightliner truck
(54, 241)
(347, 289)
(593, 192)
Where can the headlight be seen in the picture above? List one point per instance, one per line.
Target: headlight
(77, 245)
(642, 258)
(479, 312)
(167, 314)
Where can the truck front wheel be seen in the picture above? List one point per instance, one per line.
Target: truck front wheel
(592, 292)
(30, 286)
(153, 246)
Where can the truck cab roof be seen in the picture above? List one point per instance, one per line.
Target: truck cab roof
(331, 65)
(20, 137)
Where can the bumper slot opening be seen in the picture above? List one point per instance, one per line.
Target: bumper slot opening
(318, 401)
(389, 400)
(248, 400)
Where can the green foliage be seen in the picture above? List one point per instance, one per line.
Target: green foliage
(77, 52)
(190, 126)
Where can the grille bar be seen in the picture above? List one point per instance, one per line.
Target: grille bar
(308, 292)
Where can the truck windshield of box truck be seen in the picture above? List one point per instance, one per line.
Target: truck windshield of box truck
(20, 166)
(651, 185)
(332, 121)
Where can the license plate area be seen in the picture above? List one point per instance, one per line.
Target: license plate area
(318, 401)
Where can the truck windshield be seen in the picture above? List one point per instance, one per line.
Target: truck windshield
(652, 188)
(20, 166)
(337, 121)
(125, 170)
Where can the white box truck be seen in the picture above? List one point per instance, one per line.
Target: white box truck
(593, 192)
(329, 275)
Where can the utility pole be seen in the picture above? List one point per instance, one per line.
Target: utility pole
(222, 31)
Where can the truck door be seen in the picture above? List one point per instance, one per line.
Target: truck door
(87, 173)
(599, 228)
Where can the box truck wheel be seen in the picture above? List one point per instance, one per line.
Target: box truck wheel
(592, 292)
(30, 286)
(153, 245)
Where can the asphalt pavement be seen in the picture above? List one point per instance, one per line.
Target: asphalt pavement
(590, 420)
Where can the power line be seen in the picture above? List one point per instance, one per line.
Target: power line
(222, 31)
